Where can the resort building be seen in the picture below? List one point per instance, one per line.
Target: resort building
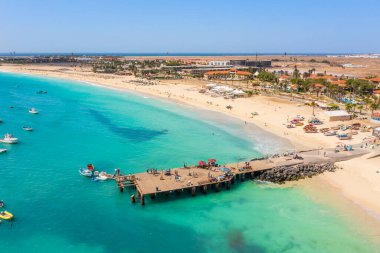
(219, 63)
(284, 78)
(339, 115)
(340, 83)
(231, 74)
(246, 63)
(376, 81)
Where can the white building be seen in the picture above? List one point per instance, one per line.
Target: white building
(218, 63)
(338, 115)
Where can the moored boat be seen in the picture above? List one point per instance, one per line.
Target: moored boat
(27, 128)
(103, 176)
(33, 111)
(87, 172)
(3, 150)
(9, 139)
(5, 215)
(344, 136)
(330, 133)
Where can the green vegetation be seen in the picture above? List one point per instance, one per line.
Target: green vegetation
(313, 104)
(359, 87)
(174, 63)
(267, 77)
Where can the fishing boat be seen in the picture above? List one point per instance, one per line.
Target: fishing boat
(344, 136)
(3, 150)
(99, 176)
(103, 176)
(9, 139)
(315, 121)
(33, 111)
(27, 128)
(5, 215)
(330, 133)
(87, 172)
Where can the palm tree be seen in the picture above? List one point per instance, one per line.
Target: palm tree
(360, 107)
(348, 107)
(313, 104)
(367, 100)
(374, 106)
(354, 107)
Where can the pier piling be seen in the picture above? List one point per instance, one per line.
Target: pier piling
(229, 185)
(217, 187)
(142, 200)
(193, 191)
(133, 199)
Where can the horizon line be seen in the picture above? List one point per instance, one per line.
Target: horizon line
(14, 53)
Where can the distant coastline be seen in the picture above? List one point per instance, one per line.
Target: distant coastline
(179, 54)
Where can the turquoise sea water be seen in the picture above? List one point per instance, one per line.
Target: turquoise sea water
(57, 210)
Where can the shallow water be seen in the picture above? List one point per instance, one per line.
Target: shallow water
(57, 210)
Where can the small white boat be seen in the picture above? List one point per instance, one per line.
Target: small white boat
(9, 139)
(89, 171)
(33, 111)
(27, 128)
(103, 176)
(85, 172)
(3, 150)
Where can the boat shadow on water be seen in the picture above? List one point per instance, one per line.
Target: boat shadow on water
(139, 134)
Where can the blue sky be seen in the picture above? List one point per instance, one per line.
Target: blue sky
(322, 26)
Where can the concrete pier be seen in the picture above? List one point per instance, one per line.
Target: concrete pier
(192, 178)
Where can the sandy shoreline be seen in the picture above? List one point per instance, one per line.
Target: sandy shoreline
(358, 183)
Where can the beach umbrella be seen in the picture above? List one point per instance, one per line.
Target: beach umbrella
(212, 160)
(201, 163)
